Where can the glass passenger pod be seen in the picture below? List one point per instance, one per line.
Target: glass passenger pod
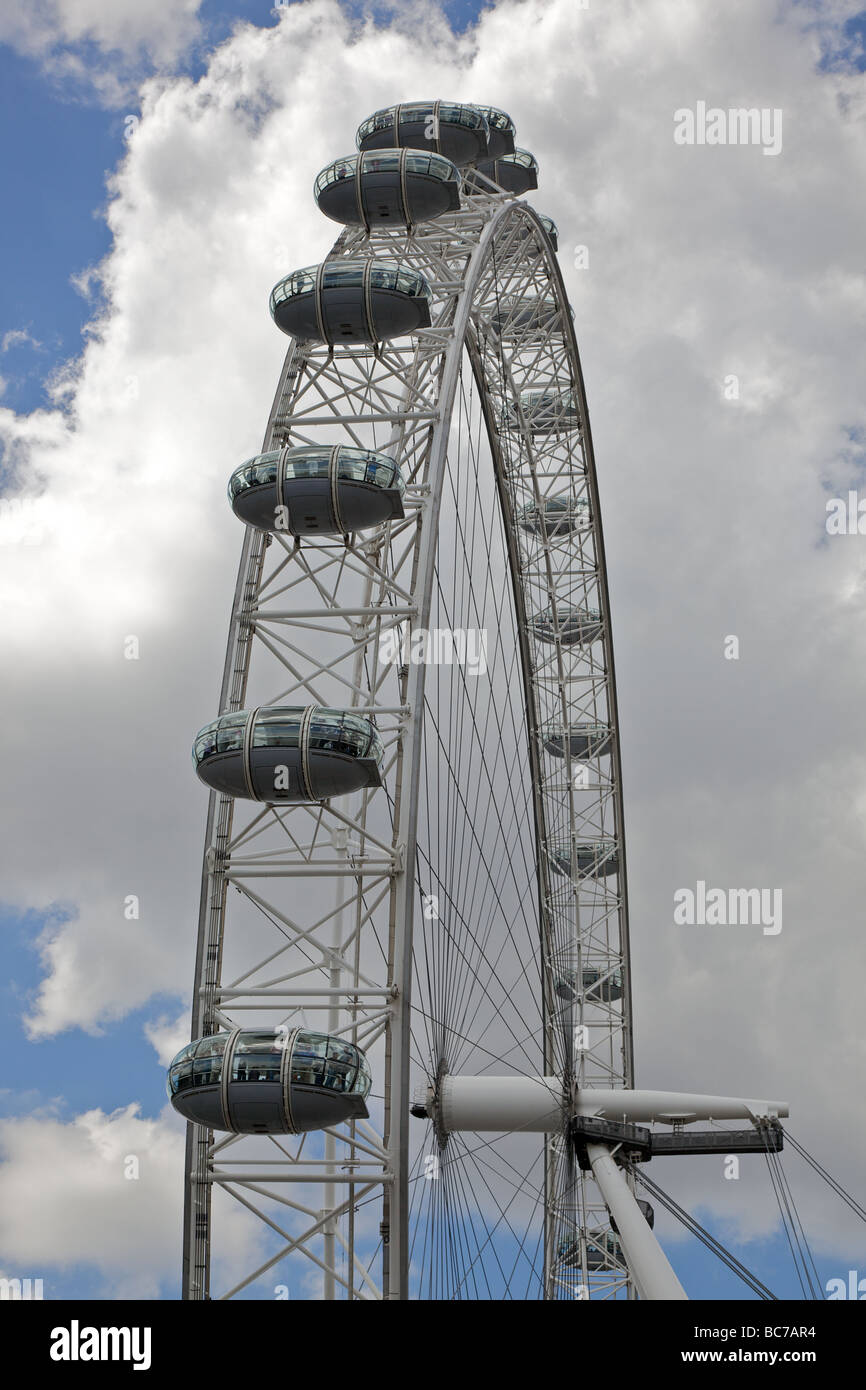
(584, 740)
(515, 316)
(551, 230)
(515, 173)
(289, 753)
(351, 301)
(592, 859)
(500, 131)
(312, 491)
(459, 132)
(602, 1247)
(574, 625)
(647, 1210)
(400, 187)
(561, 515)
(543, 411)
(282, 1081)
(597, 985)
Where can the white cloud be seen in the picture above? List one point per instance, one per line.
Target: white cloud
(102, 45)
(168, 1036)
(65, 1200)
(17, 337)
(703, 262)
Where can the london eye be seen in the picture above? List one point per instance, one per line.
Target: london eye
(411, 1059)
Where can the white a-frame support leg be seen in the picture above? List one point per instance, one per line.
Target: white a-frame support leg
(646, 1260)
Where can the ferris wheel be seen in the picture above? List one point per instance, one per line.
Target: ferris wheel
(411, 1066)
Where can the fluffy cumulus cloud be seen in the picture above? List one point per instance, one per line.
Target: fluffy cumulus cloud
(97, 45)
(719, 299)
(168, 1035)
(101, 1191)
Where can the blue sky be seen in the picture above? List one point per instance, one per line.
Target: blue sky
(60, 143)
(56, 150)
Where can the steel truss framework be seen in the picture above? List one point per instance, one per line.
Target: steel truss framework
(307, 910)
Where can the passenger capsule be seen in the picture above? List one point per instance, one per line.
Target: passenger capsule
(500, 131)
(557, 516)
(584, 740)
(592, 858)
(573, 626)
(601, 1248)
(312, 491)
(400, 187)
(543, 412)
(439, 127)
(289, 753)
(351, 301)
(551, 230)
(515, 173)
(515, 317)
(649, 1215)
(597, 985)
(282, 1081)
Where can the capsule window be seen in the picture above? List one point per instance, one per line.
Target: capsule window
(230, 739)
(205, 744)
(265, 471)
(382, 279)
(301, 282)
(326, 737)
(309, 465)
(277, 731)
(381, 163)
(257, 1057)
(343, 275)
(180, 1077)
(308, 1059)
(338, 1076)
(344, 169)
